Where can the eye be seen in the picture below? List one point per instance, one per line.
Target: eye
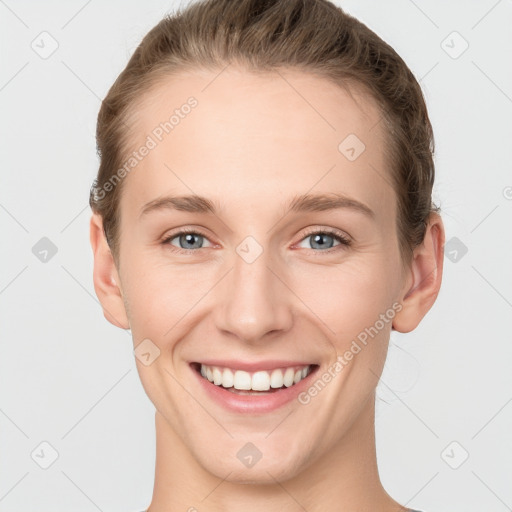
(321, 239)
(188, 240)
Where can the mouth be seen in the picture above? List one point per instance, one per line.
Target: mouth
(255, 383)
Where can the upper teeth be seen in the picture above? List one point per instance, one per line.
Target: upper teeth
(257, 381)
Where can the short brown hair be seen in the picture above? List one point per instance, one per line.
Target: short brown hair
(263, 35)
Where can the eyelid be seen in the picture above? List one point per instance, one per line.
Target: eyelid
(328, 231)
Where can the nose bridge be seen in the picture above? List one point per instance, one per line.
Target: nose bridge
(254, 301)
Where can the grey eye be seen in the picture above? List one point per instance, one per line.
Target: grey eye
(188, 240)
(321, 240)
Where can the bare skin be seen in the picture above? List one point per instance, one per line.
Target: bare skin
(251, 144)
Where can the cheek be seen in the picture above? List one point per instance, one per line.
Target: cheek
(159, 295)
(354, 304)
(347, 294)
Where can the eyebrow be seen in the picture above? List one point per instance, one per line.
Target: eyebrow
(301, 203)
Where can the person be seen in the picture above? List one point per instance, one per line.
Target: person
(262, 218)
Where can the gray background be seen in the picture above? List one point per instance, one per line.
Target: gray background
(68, 378)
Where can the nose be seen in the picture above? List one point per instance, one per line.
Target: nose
(253, 302)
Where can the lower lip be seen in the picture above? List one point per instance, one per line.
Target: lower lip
(253, 404)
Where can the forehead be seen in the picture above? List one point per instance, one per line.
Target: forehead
(250, 135)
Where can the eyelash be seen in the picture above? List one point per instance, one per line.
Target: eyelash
(344, 241)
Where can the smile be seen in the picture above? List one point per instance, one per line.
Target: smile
(263, 380)
(258, 388)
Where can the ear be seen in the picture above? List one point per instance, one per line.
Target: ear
(423, 277)
(105, 276)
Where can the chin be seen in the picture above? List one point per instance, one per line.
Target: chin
(265, 471)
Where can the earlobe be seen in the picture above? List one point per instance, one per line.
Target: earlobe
(424, 278)
(105, 276)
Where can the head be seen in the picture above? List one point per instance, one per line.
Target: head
(256, 107)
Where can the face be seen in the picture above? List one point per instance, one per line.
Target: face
(268, 286)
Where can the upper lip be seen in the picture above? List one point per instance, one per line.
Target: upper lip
(252, 366)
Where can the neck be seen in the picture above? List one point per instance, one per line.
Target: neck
(344, 479)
